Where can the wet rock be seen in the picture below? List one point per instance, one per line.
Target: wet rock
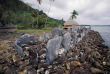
(86, 65)
(16, 58)
(40, 70)
(57, 32)
(23, 72)
(31, 71)
(70, 54)
(27, 48)
(42, 51)
(87, 50)
(53, 47)
(97, 64)
(75, 63)
(108, 63)
(79, 71)
(60, 60)
(2, 51)
(66, 41)
(50, 66)
(44, 65)
(82, 59)
(95, 70)
(26, 52)
(67, 72)
(60, 71)
(10, 70)
(22, 64)
(91, 59)
(75, 56)
(0, 67)
(96, 54)
(28, 67)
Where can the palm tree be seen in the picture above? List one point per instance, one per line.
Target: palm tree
(74, 13)
(48, 12)
(62, 21)
(39, 1)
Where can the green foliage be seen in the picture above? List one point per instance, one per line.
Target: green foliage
(74, 13)
(22, 15)
(21, 19)
(33, 30)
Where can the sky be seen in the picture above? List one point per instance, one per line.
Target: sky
(91, 12)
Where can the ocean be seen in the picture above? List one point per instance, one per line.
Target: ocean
(104, 31)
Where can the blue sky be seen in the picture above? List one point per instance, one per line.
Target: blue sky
(93, 12)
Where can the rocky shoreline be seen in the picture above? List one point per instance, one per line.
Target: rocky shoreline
(88, 56)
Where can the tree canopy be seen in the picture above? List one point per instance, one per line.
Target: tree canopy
(22, 15)
(74, 13)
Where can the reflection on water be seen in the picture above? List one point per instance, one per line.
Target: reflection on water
(104, 32)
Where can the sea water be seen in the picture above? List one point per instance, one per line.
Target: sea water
(104, 31)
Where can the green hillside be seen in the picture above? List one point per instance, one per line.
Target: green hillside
(22, 15)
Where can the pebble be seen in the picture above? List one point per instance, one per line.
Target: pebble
(67, 66)
(47, 72)
(75, 63)
(95, 70)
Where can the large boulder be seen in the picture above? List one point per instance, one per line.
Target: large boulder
(24, 39)
(66, 41)
(18, 49)
(53, 47)
(44, 37)
(83, 33)
(47, 36)
(74, 38)
(69, 30)
(57, 32)
(41, 38)
(73, 27)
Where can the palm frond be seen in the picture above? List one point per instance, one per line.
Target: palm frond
(74, 13)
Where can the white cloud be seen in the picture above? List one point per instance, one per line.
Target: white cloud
(90, 11)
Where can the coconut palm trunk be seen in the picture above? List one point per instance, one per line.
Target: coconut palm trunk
(39, 2)
(48, 12)
(38, 16)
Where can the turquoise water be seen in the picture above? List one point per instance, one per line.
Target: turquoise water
(104, 31)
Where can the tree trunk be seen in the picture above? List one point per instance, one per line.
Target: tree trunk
(38, 16)
(48, 13)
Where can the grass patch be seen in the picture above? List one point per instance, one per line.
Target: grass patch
(34, 30)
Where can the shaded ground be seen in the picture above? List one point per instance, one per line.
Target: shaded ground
(7, 39)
